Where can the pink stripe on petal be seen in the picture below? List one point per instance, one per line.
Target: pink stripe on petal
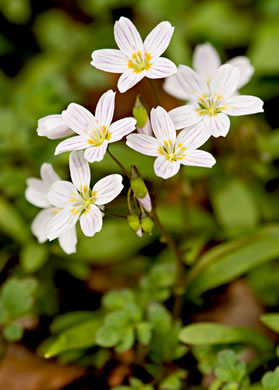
(70, 144)
(91, 221)
(173, 87)
(127, 36)
(79, 119)
(144, 144)
(184, 116)
(128, 79)
(63, 194)
(80, 171)
(161, 68)
(108, 188)
(63, 221)
(193, 85)
(162, 125)
(198, 158)
(158, 39)
(105, 108)
(110, 60)
(96, 153)
(121, 128)
(225, 81)
(165, 168)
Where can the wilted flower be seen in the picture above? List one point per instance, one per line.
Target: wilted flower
(136, 59)
(36, 194)
(171, 150)
(77, 201)
(211, 103)
(95, 132)
(206, 62)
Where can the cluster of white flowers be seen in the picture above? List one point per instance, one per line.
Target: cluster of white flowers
(211, 93)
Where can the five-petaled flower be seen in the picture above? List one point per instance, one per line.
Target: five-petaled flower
(77, 201)
(210, 104)
(36, 194)
(94, 132)
(136, 59)
(206, 62)
(171, 150)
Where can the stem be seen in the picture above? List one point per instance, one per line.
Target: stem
(155, 91)
(114, 215)
(119, 164)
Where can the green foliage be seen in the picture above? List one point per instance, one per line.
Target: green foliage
(231, 370)
(270, 380)
(33, 256)
(271, 320)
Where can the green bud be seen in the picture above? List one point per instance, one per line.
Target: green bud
(140, 113)
(137, 184)
(133, 222)
(147, 224)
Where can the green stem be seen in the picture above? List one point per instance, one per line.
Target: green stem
(119, 164)
(155, 91)
(114, 215)
(216, 385)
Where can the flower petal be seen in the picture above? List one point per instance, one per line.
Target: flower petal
(110, 60)
(53, 127)
(194, 137)
(48, 174)
(184, 116)
(105, 108)
(162, 125)
(128, 79)
(158, 39)
(198, 158)
(218, 125)
(38, 226)
(80, 171)
(173, 87)
(79, 119)
(206, 61)
(62, 222)
(96, 153)
(144, 144)
(64, 194)
(161, 67)
(146, 129)
(246, 70)
(36, 192)
(193, 85)
(146, 202)
(225, 81)
(127, 36)
(70, 144)
(68, 241)
(121, 128)
(108, 188)
(91, 221)
(243, 105)
(165, 168)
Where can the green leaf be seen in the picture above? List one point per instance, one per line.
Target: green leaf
(271, 320)
(117, 319)
(107, 336)
(230, 260)
(173, 381)
(270, 380)
(209, 333)
(68, 320)
(33, 256)
(228, 368)
(143, 330)
(13, 332)
(159, 317)
(117, 300)
(126, 340)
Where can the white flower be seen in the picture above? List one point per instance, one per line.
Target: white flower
(206, 62)
(136, 59)
(53, 127)
(36, 194)
(77, 201)
(171, 150)
(210, 104)
(94, 132)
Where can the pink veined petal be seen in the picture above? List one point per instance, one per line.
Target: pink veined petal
(36, 192)
(206, 61)
(38, 226)
(64, 194)
(243, 105)
(146, 202)
(105, 108)
(80, 171)
(96, 153)
(62, 222)
(225, 81)
(162, 124)
(53, 127)
(184, 116)
(193, 85)
(121, 128)
(108, 188)
(161, 67)
(110, 60)
(194, 137)
(127, 36)
(68, 241)
(198, 158)
(128, 79)
(79, 119)
(219, 124)
(48, 174)
(144, 144)
(70, 144)
(173, 87)
(91, 221)
(165, 168)
(146, 129)
(246, 70)
(158, 39)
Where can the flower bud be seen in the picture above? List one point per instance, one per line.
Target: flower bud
(137, 184)
(147, 224)
(141, 115)
(146, 202)
(134, 222)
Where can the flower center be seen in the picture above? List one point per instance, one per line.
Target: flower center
(97, 137)
(172, 152)
(210, 105)
(140, 62)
